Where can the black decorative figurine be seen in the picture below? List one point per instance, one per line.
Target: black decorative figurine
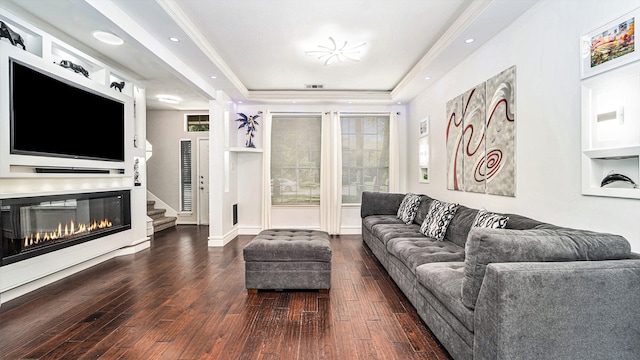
(117, 85)
(76, 68)
(14, 37)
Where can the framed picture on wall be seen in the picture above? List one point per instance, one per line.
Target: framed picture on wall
(610, 45)
(424, 127)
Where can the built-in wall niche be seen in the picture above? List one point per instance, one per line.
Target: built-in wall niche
(424, 150)
(239, 137)
(31, 40)
(611, 132)
(77, 63)
(118, 83)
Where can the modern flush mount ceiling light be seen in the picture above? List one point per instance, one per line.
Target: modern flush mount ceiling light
(335, 52)
(107, 38)
(170, 99)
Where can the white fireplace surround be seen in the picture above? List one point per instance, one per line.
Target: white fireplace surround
(18, 177)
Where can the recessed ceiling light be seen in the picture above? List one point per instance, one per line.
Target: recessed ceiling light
(170, 99)
(174, 39)
(427, 77)
(239, 102)
(399, 103)
(469, 41)
(213, 77)
(107, 38)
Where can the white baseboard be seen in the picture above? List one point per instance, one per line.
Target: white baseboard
(132, 249)
(51, 278)
(219, 241)
(250, 230)
(345, 230)
(26, 288)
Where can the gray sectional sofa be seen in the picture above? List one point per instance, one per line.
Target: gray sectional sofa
(530, 290)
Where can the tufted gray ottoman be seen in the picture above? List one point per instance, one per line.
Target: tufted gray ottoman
(288, 259)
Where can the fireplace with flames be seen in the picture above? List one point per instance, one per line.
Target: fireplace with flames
(32, 226)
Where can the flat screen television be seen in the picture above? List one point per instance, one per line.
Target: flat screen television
(51, 116)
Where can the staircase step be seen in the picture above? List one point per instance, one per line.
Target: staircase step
(156, 213)
(160, 221)
(164, 223)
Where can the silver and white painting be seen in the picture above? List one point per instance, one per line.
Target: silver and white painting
(481, 137)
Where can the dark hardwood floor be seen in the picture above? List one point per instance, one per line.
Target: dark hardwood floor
(181, 299)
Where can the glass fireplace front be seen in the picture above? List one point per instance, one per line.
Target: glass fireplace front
(33, 226)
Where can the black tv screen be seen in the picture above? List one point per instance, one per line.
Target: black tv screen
(52, 117)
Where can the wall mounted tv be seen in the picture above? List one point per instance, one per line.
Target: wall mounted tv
(51, 116)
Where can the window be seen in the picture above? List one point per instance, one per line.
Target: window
(365, 155)
(295, 159)
(195, 122)
(186, 193)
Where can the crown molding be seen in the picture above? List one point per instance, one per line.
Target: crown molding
(175, 12)
(468, 16)
(147, 42)
(319, 95)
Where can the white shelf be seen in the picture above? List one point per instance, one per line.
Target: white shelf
(616, 153)
(245, 150)
(613, 192)
(611, 131)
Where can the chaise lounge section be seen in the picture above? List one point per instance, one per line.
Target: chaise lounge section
(523, 290)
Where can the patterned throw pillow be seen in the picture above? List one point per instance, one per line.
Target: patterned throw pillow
(409, 207)
(438, 218)
(486, 219)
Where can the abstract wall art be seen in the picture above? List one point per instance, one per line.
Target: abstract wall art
(455, 180)
(480, 137)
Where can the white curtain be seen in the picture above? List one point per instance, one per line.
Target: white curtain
(266, 171)
(394, 154)
(331, 174)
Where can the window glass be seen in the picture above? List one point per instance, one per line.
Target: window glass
(365, 156)
(186, 194)
(196, 123)
(295, 160)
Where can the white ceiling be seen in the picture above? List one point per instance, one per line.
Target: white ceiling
(256, 49)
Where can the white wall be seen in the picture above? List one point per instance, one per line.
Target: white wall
(222, 172)
(544, 46)
(249, 167)
(165, 129)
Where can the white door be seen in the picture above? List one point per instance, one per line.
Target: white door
(203, 181)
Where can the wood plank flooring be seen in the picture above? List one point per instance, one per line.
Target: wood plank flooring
(181, 299)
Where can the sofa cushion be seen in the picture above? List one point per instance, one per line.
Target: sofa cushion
(370, 221)
(437, 220)
(444, 281)
(460, 225)
(379, 203)
(414, 252)
(487, 219)
(386, 232)
(408, 208)
(486, 246)
(519, 222)
(423, 209)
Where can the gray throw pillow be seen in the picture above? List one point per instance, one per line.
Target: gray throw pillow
(486, 219)
(409, 207)
(485, 246)
(438, 218)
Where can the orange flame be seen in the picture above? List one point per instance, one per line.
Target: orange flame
(70, 229)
